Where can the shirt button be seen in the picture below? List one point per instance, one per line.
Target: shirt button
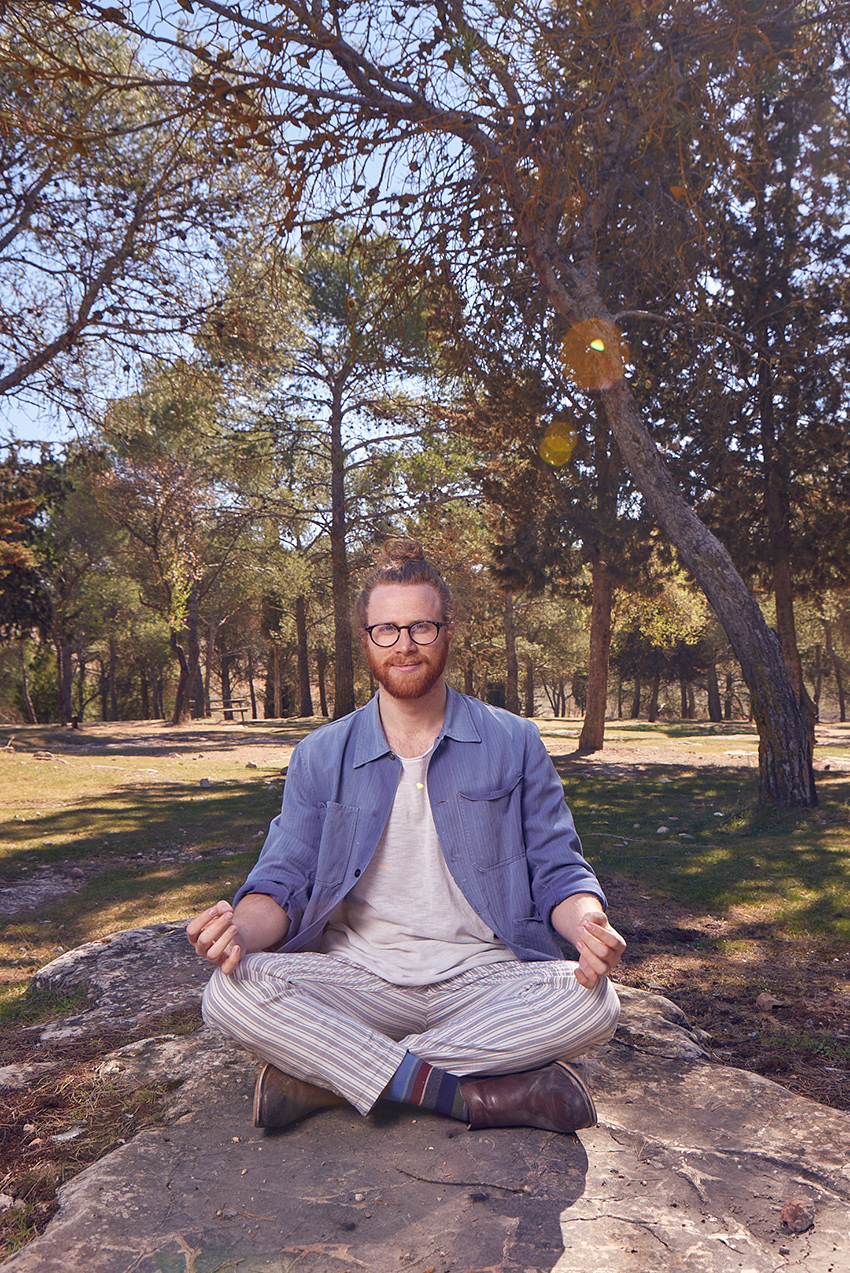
(356, 873)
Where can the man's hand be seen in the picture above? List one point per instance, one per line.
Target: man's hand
(600, 948)
(582, 921)
(215, 936)
(223, 935)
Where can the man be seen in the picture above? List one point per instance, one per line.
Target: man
(397, 937)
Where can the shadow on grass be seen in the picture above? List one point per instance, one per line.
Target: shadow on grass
(700, 838)
(161, 818)
(682, 729)
(157, 738)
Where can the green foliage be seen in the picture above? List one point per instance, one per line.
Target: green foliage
(42, 685)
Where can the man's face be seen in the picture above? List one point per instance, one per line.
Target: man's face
(406, 670)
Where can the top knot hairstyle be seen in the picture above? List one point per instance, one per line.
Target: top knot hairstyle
(403, 561)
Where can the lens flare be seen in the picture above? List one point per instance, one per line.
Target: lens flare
(558, 444)
(594, 354)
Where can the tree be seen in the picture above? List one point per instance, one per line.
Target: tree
(25, 606)
(576, 124)
(116, 193)
(339, 413)
(760, 405)
(658, 637)
(162, 488)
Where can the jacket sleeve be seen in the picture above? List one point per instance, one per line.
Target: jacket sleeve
(286, 867)
(556, 865)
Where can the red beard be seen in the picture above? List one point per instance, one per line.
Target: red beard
(407, 685)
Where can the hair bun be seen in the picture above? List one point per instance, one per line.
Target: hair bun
(402, 550)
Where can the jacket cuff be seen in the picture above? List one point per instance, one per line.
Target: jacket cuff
(277, 892)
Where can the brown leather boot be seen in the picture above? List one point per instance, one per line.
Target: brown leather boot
(553, 1098)
(279, 1099)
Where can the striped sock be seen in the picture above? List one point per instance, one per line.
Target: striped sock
(415, 1082)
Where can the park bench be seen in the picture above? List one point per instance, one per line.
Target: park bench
(240, 705)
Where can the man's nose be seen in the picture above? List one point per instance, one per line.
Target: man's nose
(406, 641)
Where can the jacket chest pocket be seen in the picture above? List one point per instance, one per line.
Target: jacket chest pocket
(493, 826)
(339, 824)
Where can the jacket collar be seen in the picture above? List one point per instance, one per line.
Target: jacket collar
(371, 741)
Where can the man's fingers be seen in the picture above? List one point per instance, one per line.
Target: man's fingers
(234, 954)
(602, 940)
(602, 930)
(196, 926)
(588, 980)
(218, 947)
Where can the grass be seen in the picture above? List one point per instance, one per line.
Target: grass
(125, 830)
(720, 851)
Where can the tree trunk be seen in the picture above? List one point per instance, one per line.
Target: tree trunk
(81, 681)
(113, 688)
(208, 662)
(277, 687)
(511, 665)
(343, 654)
(839, 685)
(634, 714)
(727, 705)
(715, 712)
(144, 693)
(683, 692)
(305, 695)
(182, 709)
(103, 689)
(65, 669)
(786, 776)
(227, 661)
(592, 735)
(818, 682)
(155, 678)
(652, 711)
(692, 703)
(25, 682)
(770, 329)
(321, 677)
(195, 689)
(529, 686)
(251, 689)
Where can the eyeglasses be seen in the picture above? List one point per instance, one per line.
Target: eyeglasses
(423, 633)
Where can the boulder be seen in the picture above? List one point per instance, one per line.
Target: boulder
(688, 1172)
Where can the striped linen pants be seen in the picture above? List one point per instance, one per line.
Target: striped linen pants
(329, 1022)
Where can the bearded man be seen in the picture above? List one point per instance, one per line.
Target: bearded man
(398, 937)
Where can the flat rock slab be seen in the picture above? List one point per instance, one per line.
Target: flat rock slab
(686, 1173)
(130, 978)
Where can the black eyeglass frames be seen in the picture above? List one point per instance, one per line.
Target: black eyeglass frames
(425, 632)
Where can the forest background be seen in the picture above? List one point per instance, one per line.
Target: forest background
(561, 290)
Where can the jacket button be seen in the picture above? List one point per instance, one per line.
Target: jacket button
(357, 872)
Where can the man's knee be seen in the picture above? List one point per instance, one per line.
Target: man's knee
(218, 1002)
(595, 1022)
(609, 1011)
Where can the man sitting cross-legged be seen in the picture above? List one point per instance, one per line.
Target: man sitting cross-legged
(397, 937)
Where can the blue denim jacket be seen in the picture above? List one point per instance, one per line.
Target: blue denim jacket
(505, 831)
